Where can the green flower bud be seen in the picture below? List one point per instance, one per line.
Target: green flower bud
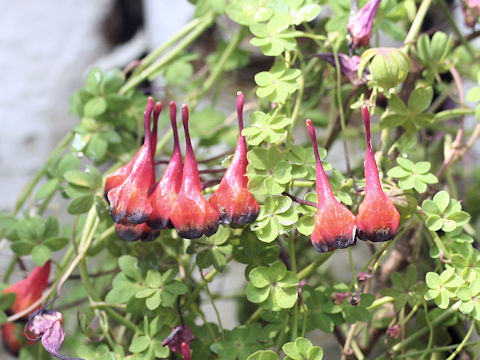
(388, 67)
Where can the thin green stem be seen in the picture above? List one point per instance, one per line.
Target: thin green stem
(464, 341)
(430, 329)
(341, 113)
(147, 60)
(205, 280)
(212, 301)
(92, 293)
(416, 25)
(10, 268)
(419, 333)
(448, 14)
(256, 314)
(352, 268)
(218, 69)
(200, 27)
(38, 176)
(379, 302)
(314, 266)
(413, 354)
(293, 263)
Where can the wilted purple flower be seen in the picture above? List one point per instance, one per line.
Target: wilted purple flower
(393, 331)
(361, 22)
(471, 10)
(46, 325)
(363, 276)
(338, 297)
(348, 65)
(179, 340)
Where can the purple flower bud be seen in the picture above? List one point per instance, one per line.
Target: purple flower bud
(360, 24)
(46, 325)
(393, 331)
(338, 297)
(348, 65)
(179, 340)
(363, 276)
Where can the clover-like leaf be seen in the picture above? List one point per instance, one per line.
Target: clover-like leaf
(268, 171)
(277, 215)
(412, 175)
(302, 349)
(442, 287)
(444, 213)
(322, 312)
(263, 355)
(265, 127)
(278, 83)
(239, 343)
(274, 287)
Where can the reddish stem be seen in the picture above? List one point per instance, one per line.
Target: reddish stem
(324, 191)
(240, 103)
(372, 180)
(147, 119)
(156, 114)
(173, 121)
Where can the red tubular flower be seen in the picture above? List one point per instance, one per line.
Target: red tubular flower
(166, 190)
(27, 291)
(192, 215)
(360, 24)
(236, 204)
(334, 224)
(13, 338)
(117, 177)
(136, 232)
(30, 289)
(129, 203)
(377, 218)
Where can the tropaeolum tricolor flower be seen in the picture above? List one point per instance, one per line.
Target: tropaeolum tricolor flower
(27, 292)
(234, 201)
(141, 208)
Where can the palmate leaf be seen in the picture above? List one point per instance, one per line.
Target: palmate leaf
(239, 343)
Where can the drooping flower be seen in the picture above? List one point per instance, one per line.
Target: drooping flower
(234, 201)
(129, 202)
(471, 10)
(348, 65)
(30, 289)
(377, 218)
(179, 341)
(192, 215)
(27, 292)
(334, 224)
(166, 190)
(360, 24)
(117, 177)
(46, 325)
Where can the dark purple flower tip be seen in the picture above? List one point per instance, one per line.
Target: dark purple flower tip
(363, 276)
(46, 325)
(393, 331)
(360, 24)
(179, 340)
